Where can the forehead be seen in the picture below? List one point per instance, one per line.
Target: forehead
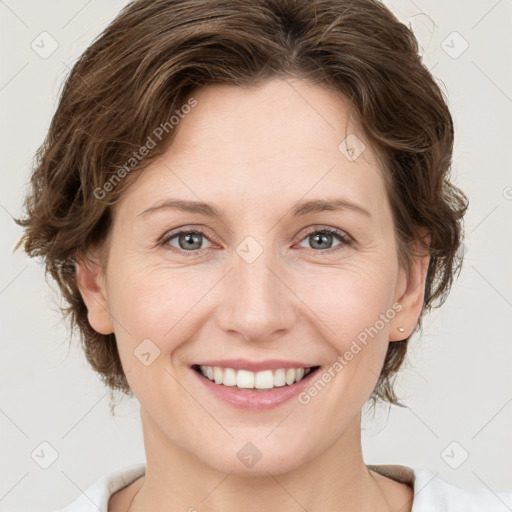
(284, 119)
(269, 144)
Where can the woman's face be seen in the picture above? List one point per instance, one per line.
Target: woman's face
(261, 282)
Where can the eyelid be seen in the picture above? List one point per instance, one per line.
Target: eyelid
(344, 238)
(326, 229)
(183, 229)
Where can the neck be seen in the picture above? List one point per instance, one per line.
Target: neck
(336, 480)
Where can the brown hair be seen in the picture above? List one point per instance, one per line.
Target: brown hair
(145, 66)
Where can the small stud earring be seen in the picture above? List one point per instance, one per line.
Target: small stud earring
(401, 329)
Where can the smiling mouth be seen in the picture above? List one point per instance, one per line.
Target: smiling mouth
(246, 380)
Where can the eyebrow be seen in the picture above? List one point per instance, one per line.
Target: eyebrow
(299, 209)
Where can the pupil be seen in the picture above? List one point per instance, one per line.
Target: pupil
(190, 239)
(319, 238)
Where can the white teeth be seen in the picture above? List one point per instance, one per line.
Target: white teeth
(264, 380)
(290, 376)
(217, 375)
(229, 378)
(245, 379)
(279, 378)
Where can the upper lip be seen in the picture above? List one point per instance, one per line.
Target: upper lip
(255, 366)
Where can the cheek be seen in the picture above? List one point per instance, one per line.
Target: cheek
(155, 315)
(349, 300)
(352, 306)
(155, 302)
(152, 298)
(167, 305)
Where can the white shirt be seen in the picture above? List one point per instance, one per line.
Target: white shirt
(431, 494)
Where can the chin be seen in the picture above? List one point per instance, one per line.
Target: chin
(257, 458)
(275, 464)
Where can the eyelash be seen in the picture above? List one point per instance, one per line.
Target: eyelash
(342, 237)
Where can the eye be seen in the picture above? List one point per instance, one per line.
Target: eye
(188, 242)
(321, 239)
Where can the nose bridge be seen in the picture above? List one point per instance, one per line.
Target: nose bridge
(256, 303)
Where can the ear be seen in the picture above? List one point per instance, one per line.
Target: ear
(411, 291)
(91, 283)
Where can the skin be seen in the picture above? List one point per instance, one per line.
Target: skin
(240, 149)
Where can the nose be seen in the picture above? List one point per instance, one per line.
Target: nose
(258, 303)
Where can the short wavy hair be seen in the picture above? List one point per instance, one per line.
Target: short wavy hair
(156, 53)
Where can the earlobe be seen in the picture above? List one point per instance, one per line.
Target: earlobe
(91, 283)
(413, 296)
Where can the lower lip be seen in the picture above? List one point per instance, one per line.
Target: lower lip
(255, 400)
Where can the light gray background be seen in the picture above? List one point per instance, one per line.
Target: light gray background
(458, 381)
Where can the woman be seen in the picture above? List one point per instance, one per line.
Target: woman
(247, 207)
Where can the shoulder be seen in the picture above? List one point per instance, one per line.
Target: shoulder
(97, 496)
(431, 493)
